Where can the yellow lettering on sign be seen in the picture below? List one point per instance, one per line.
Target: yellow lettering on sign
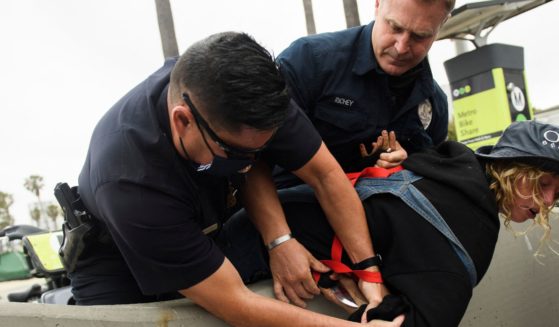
(466, 113)
(467, 132)
(465, 123)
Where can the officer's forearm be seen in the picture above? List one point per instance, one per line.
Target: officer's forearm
(262, 204)
(224, 295)
(340, 202)
(346, 215)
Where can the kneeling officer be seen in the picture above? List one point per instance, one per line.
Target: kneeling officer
(162, 171)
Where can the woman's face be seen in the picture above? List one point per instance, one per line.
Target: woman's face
(525, 208)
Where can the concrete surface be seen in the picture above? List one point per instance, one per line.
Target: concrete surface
(517, 290)
(162, 314)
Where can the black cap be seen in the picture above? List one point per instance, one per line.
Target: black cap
(528, 142)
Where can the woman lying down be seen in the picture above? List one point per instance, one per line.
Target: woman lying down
(435, 222)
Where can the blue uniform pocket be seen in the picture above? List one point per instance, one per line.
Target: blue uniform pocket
(347, 119)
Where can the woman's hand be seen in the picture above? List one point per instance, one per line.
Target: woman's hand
(373, 292)
(361, 293)
(392, 154)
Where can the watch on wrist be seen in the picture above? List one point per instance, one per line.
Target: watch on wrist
(367, 263)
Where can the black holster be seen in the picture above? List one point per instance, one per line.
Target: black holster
(79, 226)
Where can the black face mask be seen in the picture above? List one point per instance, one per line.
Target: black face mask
(221, 166)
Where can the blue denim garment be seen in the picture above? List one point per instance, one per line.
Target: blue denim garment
(236, 243)
(400, 185)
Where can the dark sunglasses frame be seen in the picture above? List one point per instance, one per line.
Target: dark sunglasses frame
(230, 150)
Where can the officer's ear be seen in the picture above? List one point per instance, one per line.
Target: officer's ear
(446, 18)
(181, 118)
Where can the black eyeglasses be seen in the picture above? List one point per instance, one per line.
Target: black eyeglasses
(230, 150)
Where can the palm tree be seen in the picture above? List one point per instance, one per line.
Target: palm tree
(52, 212)
(309, 17)
(34, 184)
(166, 28)
(351, 13)
(35, 215)
(6, 201)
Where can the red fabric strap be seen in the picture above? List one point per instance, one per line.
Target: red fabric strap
(338, 267)
(375, 172)
(336, 252)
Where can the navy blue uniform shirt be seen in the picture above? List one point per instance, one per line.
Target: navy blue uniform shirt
(337, 81)
(154, 204)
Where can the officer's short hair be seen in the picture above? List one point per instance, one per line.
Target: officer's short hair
(235, 80)
(449, 4)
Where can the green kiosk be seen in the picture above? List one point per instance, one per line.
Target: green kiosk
(488, 92)
(488, 84)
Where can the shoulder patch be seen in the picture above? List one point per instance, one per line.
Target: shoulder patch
(425, 113)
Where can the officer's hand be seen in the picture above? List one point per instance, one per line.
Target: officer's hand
(291, 266)
(392, 153)
(381, 323)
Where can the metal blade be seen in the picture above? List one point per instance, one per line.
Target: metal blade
(343, 296)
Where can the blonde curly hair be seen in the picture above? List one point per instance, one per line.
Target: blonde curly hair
(505, 175)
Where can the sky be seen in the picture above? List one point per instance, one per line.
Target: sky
(63, 63)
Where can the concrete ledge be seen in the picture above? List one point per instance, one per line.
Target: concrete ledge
(178, 313)
(160, 314)
(517, 291)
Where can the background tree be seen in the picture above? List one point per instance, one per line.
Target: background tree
(52, 212)
(351, 13)
(309, 17)
(35, 214)
(166, 28)
(6, 201)
(34, 184)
